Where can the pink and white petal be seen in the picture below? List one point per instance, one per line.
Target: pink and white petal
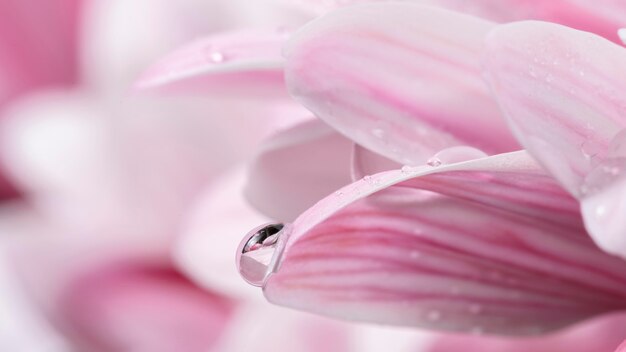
(109, 292)
(603, 17)
(598, 335)
(121, 38)
(366, 162)
(404, 93)
(241, 62)
(99, 165)
(404, 256)
(296, 167)
(288, 331)
(559, 89)
(212, 233)
(37, 45)
(24, 328)
(133, 307)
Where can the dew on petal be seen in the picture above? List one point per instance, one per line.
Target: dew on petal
(607, 169)
(259, 252)
(434, 162)
(216, 57)
(456, 155)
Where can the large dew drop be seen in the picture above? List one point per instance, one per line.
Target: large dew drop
(258, 252)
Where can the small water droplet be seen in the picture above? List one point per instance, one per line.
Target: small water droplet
(455, 155)
(216, 57)
(406, 169)
(434, 315)
(256, 252)
(434, 162)
(367, 178)
(339, 193)
(606, 169)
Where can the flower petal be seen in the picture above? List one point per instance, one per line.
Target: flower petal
(296, 167)
(37, 45)
(461, 261)
(598, 335)
(142, 308)
(212, 233)
(603, 17)
(560, 89)
(130, 165)
(402, 93)
(366, 162)
(222, 63)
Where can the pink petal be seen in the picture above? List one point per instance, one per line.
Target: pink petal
(621, 347)
(141, 308)
(124, 37)
(603, 17)
(503, 252)
(132, 166)
(37, 45)
(212, 233)
(365, 162)
(402, 93)
(296, 167)
(560, 89)
(223, 63)
(598, 335)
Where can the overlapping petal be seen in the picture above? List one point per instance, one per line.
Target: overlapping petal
(224, 63)
(475, 257)
(562, 91)
(296, 167)
(397, 79)
(603, 17)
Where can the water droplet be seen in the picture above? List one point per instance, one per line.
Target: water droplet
(455, 155)
(434, 315)
(606, 169)
(216, 57)
(367, 178)
(406, 169)
(257, 251)
(434, 162)
(339, 193)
